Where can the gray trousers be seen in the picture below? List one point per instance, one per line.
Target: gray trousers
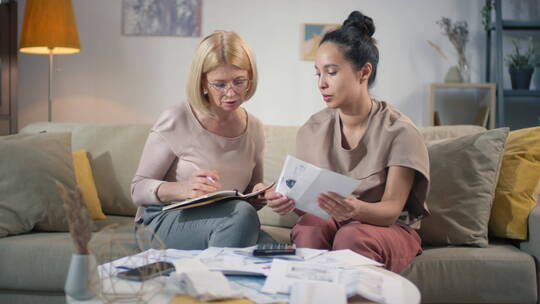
(233, 223)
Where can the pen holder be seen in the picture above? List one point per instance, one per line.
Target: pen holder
(82, 281)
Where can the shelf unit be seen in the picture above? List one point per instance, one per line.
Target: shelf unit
(508, 98)
(8, 67)
(462, 103)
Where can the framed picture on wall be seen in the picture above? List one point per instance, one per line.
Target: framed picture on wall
(162, 17)
(313, 33)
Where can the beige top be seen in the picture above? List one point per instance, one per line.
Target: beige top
(178, 140)
(390, 139)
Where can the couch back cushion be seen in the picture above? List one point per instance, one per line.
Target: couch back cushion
(30, 166)
(464, 172)
(114, 151)
(280, 141)
(449, 131)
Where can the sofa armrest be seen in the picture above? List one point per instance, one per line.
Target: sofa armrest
(532, 246)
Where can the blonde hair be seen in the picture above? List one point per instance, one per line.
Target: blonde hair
(216, 49)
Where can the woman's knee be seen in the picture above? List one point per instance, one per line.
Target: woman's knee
(356, 236)
(313, 232)
(243, 213)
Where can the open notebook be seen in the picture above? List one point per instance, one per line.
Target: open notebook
(213, 197)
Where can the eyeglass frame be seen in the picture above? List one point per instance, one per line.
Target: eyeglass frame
(230, 85)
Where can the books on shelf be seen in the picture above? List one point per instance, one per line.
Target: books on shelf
(213, 197)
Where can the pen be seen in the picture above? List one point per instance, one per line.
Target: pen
(263, 262)
(197, 168)
(123, 267)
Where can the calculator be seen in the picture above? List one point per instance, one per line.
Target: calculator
(274, 249)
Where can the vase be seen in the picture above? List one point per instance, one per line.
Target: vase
(465, 72)
(520, 77)
(82, 281)
(453, 75)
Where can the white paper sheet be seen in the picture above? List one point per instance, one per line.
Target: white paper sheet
(303, 182)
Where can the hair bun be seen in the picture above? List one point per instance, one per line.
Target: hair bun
(363, 23)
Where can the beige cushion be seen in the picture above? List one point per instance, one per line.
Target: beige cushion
(114, 151)
(450, 131)
(29, 167)
(464, 172)
(500, 273)
(279, 142)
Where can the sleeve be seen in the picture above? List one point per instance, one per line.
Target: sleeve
(409, 150)
(257, 176)
(156, 160)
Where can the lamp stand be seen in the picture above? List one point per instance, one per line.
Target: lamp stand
(50, 83)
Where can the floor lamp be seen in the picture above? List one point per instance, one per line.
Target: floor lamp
(49, 28)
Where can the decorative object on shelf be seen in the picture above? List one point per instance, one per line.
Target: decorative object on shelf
(49, 27)
(82, 282)
(486, 14)
(453, 74)
(162, 17)
(458, 34)
(521, 65)
(313, 34)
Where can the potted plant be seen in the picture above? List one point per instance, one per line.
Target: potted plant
(521, 65)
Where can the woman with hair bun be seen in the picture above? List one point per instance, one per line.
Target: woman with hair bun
(367, 139)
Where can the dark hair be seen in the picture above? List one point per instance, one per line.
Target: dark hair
(354, 38)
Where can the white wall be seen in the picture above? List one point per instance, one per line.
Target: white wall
(133, 78)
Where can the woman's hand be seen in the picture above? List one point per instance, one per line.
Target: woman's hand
(339, 207)
(259, 201)
(201, 182)
(279, 203)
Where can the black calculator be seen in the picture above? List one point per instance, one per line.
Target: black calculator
(274, 249)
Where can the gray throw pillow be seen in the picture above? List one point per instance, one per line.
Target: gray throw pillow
(464, 173)
(29, 198)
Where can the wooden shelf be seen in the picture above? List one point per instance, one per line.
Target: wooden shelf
(462, 104)
(515, 25)
(522, 93)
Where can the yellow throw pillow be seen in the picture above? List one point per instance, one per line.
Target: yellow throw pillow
(518, 185)
(85, 180)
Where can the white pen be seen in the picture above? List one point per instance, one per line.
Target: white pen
(197, 168)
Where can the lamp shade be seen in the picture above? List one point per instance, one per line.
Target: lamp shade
(49, 27)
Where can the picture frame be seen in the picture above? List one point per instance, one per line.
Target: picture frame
(162, 17)
(312, 36)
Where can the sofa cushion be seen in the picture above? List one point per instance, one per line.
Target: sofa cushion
(280, 141)
(464, 172)
(114, 151)
(40, 261)
(449, 131)
(29, 167)
(86, 183)
(499, 273)
(518, 186)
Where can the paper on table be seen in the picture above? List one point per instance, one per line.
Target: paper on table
(285, 273)
(345, 258)
(303, 182)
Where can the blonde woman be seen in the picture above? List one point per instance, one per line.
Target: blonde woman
(207, 144)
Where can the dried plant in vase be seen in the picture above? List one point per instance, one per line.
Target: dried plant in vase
(458, 34)
(78, 218)
(82, 282)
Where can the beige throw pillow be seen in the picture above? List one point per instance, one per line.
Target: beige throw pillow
(29, 165)
(464, 174)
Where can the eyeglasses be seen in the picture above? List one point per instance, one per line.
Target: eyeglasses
(238, 85)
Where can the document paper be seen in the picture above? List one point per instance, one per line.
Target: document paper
(303, 182)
